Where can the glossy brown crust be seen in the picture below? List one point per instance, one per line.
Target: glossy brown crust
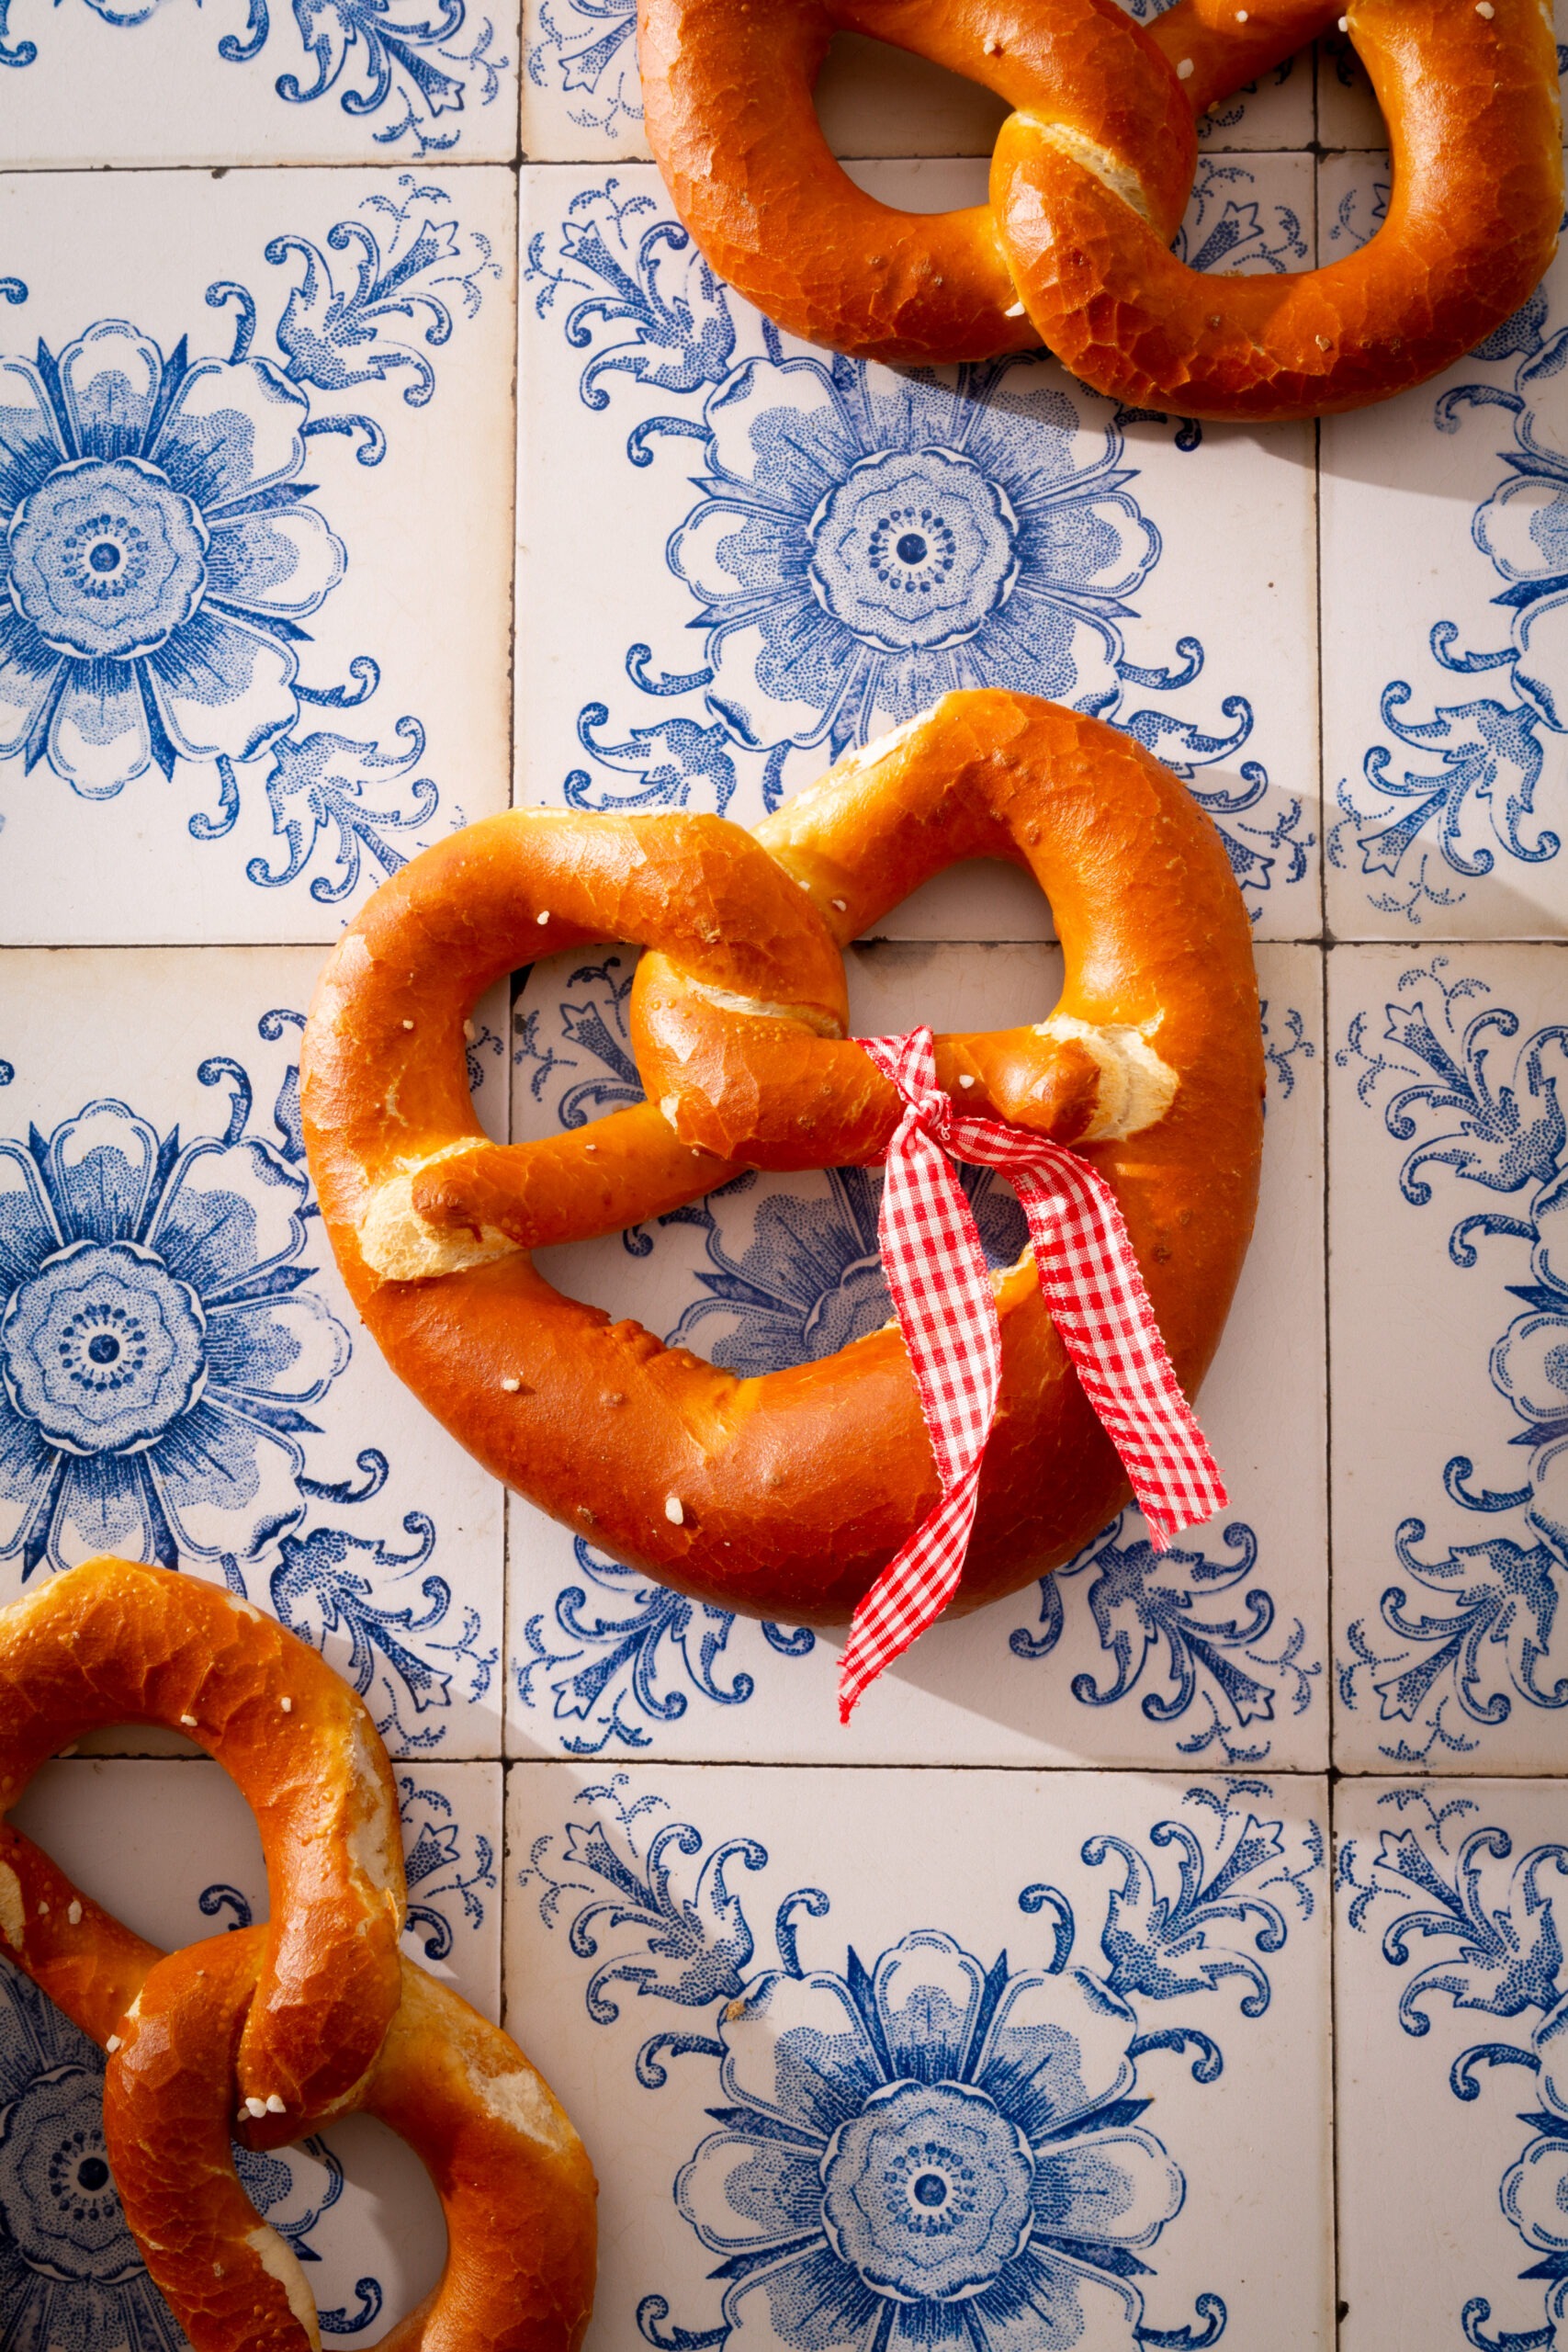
(111, 1643)
(514, 2181)
(1471, 108)
(793, 1490)
(1090, 176)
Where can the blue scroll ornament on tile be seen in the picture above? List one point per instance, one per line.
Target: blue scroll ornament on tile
(1456, 790)
(1494, 1924)
(862, 541)
(931, 2149)
(71, 2277)
(1469, 1635)
(161, 554)
(396, 59)
(613, 1657)
(163, 1352)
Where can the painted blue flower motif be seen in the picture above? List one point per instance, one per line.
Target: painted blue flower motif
(934, 2155)
(859, 551)
(158, 557)
(1479, 1635)
(809, 1280)
(1500, 1933)
(587, 48)
(71, 2277)
(1480, 800)
(157, 1341)
(928, 2152)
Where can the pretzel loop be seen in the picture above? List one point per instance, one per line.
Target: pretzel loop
(745, 1493)
(320, 1993)
(1091, 176)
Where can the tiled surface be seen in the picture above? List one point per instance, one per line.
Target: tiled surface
(479, 443)
(323, 361)
(1086, 1989)
(1452, 2103)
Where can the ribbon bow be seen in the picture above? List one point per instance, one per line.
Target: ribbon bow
(935, 1264)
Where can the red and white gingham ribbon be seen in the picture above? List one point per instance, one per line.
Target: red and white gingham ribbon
(935, 1266)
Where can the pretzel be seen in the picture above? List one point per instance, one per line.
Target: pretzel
(514, 2179)
(1090, 176)
(785, 1496)
(114, 1643)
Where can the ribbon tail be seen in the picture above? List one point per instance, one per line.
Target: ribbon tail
(911, 1592)
(1119, 1352)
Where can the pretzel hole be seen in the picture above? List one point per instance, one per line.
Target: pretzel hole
(107, 1828)
(802, 1247)
(874, 99)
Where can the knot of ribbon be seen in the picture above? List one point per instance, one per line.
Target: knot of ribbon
(935, 1267)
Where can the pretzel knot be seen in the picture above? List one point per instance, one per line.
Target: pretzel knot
(1089, 179)
(787, 1495)
(270, 2031)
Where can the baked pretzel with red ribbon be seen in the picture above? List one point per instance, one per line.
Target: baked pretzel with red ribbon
(266, 2032)
(787, 1495)
(1090, 176)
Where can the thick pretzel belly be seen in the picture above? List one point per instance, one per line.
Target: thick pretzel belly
(785, 1496)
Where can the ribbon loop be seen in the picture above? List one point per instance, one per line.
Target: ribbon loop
(936, 1265)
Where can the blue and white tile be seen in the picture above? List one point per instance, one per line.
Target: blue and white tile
(1446, 726)
(279, 660)
(1157, 573)
(355, 2204)
(1055, 2069)
(1215, 1651)
(1452, 2109)
(152, 1175)
(582, 103)
(1448, 1323)
(133, 82)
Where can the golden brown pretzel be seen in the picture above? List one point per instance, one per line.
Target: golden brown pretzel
(787, 1495)
(1089, 179)
(515, 2182)
(112, 1642)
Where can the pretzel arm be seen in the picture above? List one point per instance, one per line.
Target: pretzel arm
(112, 1642)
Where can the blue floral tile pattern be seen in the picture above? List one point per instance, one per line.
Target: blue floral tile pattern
(810, 550)
(1452, 1522)
(189, 526)
(1213, 1650)
(942, 2142)
(1448, 815)
(302, 82)
(1450, 1941)
(70, 2278)
(179, 1375)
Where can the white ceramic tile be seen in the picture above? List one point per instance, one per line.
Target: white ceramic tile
(958, 2077)
(1158, 574)
(581, 100)
(1217, 1651)
(130, 82)
(1442, 659)
(1450, 1311)
(355, 2204)
(1452, 2131)
(311, 524)
(151, 1166)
